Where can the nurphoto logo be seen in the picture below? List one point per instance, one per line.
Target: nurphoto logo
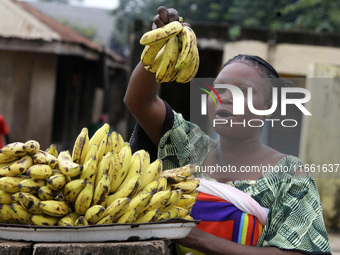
(238, 104)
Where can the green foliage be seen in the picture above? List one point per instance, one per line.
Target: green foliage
(89, 32)
(315, 15)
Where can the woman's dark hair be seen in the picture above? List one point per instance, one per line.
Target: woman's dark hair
(263, 68)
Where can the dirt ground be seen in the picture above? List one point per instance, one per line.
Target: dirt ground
(334, 240)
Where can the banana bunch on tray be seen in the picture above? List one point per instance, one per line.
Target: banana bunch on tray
(171, 52)
(101, 182)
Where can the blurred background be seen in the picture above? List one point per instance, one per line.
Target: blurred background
(65, 64)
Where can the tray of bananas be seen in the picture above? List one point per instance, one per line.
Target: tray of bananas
(99, 192)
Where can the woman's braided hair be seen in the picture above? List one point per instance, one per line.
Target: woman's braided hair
(263, 68)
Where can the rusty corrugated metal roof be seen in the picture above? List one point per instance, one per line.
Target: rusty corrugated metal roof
(17, 23)
(20, 20)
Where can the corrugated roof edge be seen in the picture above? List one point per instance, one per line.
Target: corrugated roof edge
(67, 35)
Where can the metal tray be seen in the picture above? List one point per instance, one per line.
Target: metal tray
(175, 228)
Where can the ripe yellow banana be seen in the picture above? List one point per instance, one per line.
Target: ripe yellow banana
(32, 147)
(182, 212)
(81, 147)
(39, 157)
(5, 197)
(31, 185)
(19, 213)
(103, 146)
(173, 212)
(188, 217)
(105, 166)
(92, 152)
(94, 214)
(161, 34)
(187, 73)
(46, 193)
(14, 149)
(90, 170)
(17, 167)
(150, 52)
(139, 202)
(102, 191)
(15, 197)
(151, 187)
(129, 190)
(115, 141)
(5, 212)
(136, 166)
(162, 184)
(186, 201)
(163, 216)
(40, 171)
(187, 53)
(148, 217)
(84, 199)
(73, 188)
(121, 142)
(30, 203)
(44, 220)
(121, 168)
(120, 204)
(69, 219)
(52, 150)
(186, 186)
(185, 171)
(81, 221)
(175, 197)
(151, 173)
(7, 159)
(106, 220)
(67, 166)
(194, 194)
(56, 181)
(158, 201)
(128, 217)
(169, 60)
(153, 67)
(99, 135)
(54, 208)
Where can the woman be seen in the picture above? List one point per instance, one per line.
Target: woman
(294, 224)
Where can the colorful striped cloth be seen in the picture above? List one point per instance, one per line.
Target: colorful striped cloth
(225, 220)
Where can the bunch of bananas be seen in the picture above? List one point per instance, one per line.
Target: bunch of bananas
(102, 182)
(171, 52)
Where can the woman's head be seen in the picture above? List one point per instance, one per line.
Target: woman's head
(244, 71)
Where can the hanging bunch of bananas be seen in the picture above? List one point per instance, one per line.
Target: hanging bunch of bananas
(101, 182)
(171, 52)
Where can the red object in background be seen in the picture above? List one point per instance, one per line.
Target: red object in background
(4, 130)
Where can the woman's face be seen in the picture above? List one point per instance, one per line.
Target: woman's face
(242, 76)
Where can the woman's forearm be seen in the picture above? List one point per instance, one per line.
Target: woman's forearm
(142, 101)
(213, 245)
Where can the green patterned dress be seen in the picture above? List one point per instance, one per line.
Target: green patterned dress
(295, 219)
